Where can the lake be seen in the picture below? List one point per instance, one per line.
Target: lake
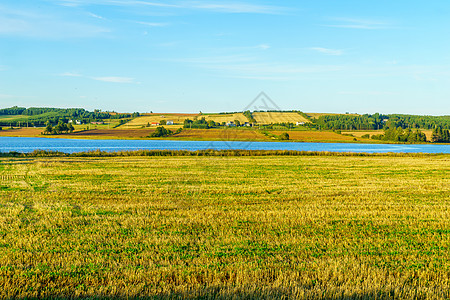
(23, 144)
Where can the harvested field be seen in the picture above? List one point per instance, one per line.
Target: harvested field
(22, 132)
(361, 133)
(317, 115)
(148, 119)
(278, 117)
(220, 118)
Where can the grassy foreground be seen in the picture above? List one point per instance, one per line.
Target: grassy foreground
(244, 227)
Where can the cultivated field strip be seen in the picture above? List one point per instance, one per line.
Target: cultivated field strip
(329, 227)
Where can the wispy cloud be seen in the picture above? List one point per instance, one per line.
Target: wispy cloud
(115, 79)
(224, 7)
(241, 66)
(70, 74)
(96, 16)
(359, 24)
(239, 8)
(41, 24)
(368, 93)
(112, 79)
(153, 24)
(328, 51)
(263, 47)
(75, 3)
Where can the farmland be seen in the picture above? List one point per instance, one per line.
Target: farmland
(278, 117)
(220, 118)
(146, 120)
(253, 227)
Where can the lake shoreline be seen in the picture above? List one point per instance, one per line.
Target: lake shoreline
(314, 136)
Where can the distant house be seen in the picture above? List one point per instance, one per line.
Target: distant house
(231, 124)
(247, 124)
(97, 123)
(78, 122)
(300, 123)
(154, 124)
(169, 122)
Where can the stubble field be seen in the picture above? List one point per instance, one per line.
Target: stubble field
(244, 227)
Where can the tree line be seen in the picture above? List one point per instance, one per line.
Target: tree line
(39, 116)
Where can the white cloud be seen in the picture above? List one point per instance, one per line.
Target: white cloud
(328, 51)
(114, 79)
(359, 24)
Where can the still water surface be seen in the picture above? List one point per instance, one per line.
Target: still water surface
(22, 144)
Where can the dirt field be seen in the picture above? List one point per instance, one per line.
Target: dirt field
(316, 136)
(278, 117)
(221, 134)
(114, 133)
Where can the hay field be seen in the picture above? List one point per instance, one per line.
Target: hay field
(220, 118)
(21, 132)
(317, 115)
(360, 133)
(278, 117)
(144, 120)
(329, 227)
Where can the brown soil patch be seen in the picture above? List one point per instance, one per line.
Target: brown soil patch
(114, 133)
(315, 136)
(221, 134)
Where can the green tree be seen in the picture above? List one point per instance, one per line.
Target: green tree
(161, 132)
(48, 128)
(284, 136)
(71, 128)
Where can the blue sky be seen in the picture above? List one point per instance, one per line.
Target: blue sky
(189, 56)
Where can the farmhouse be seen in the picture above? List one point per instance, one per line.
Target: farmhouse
(154, 124)
(300, 123)
(169, 122)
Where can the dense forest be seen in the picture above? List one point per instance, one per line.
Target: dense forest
(379, 121)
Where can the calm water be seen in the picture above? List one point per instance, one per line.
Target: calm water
(20, 144)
